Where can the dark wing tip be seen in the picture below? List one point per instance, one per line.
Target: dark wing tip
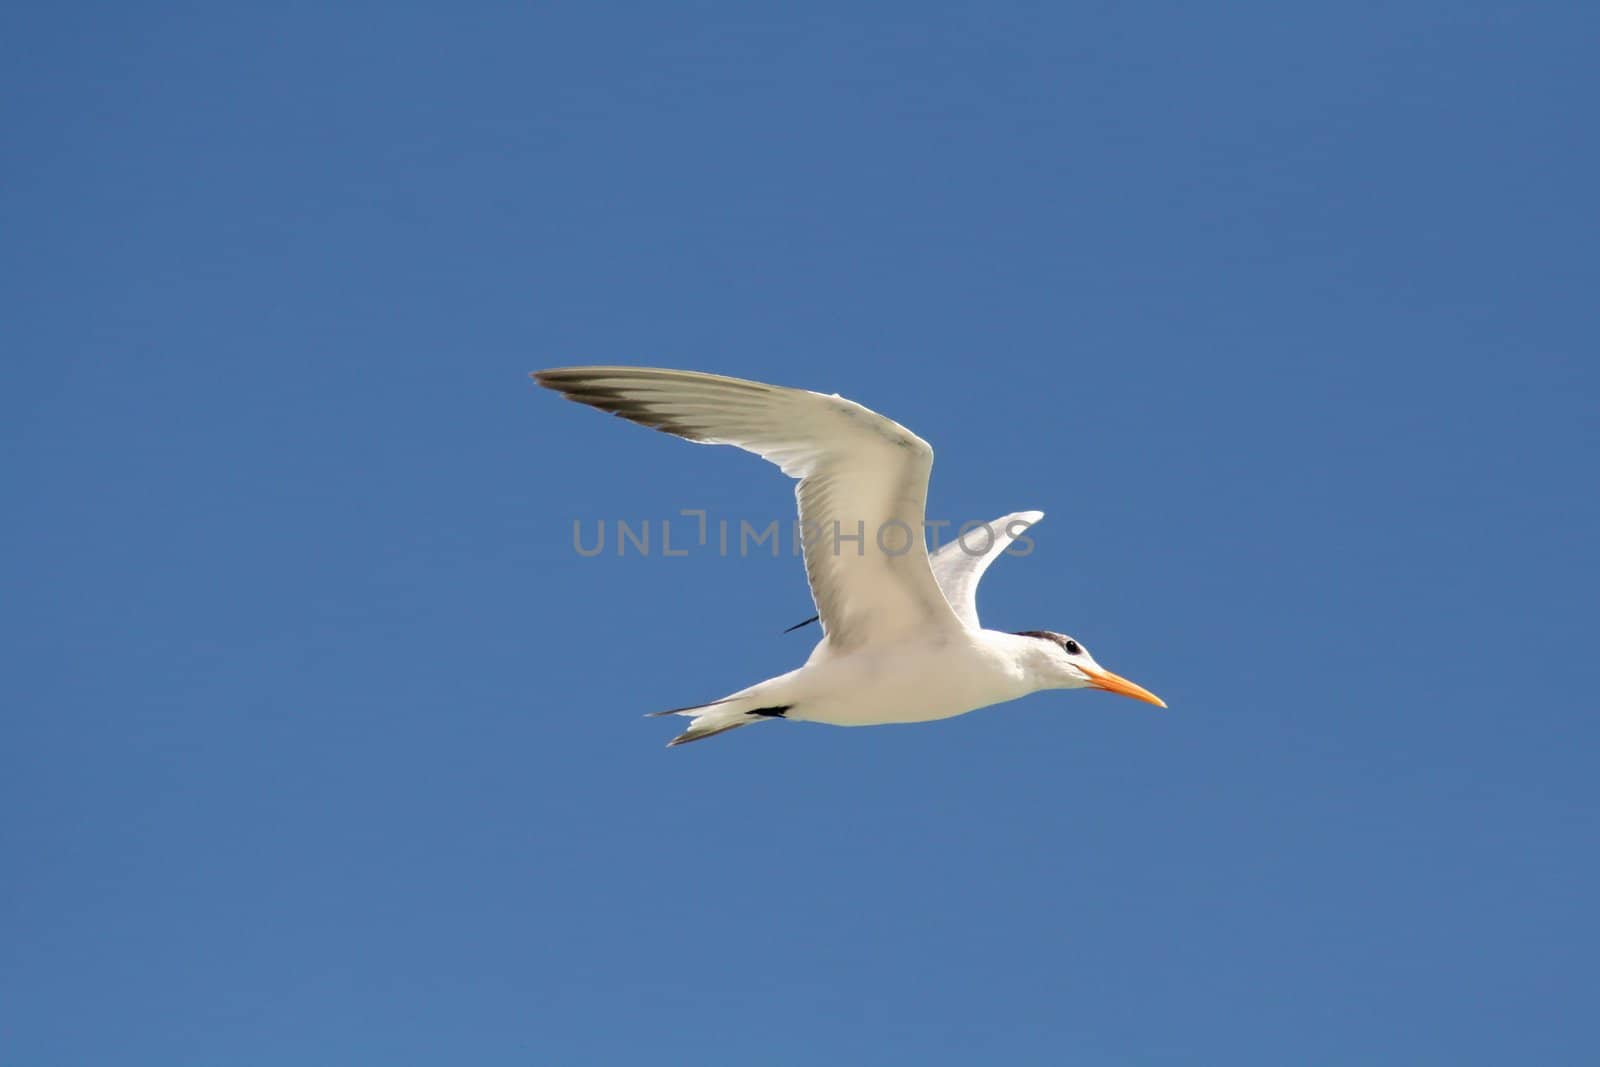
(584, 386)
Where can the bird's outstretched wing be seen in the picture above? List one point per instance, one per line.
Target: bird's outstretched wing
(958, 565)
(860, 474)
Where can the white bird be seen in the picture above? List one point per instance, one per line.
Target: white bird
(901, 641)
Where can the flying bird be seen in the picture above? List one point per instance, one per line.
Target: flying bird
(901, 641)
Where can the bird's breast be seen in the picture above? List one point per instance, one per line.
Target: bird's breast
(899, 684)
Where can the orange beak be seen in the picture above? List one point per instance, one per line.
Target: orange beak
(1115, 683)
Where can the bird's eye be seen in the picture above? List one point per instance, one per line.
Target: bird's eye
(1073, 648)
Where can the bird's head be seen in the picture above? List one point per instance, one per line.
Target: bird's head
(1059, 662)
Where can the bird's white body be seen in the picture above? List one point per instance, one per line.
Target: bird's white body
(938, 677)
(901, 639)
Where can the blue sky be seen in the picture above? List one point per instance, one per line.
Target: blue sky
(323, 746)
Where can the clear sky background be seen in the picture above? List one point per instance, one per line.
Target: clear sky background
(322, 746)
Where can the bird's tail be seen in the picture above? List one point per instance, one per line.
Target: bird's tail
(718, 717)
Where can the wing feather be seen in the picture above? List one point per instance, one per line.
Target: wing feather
(959, 565)
(860, 474)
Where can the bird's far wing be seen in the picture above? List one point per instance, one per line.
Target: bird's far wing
(859, 473)
(959, 565)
